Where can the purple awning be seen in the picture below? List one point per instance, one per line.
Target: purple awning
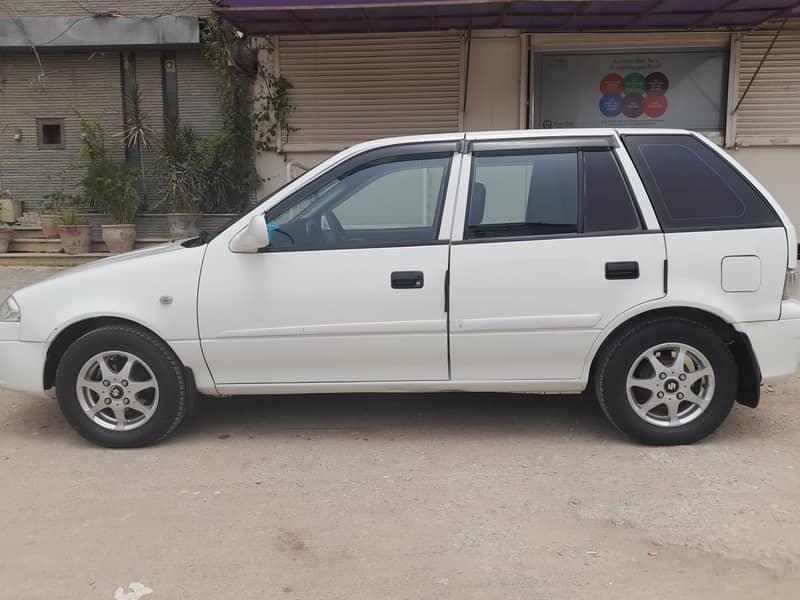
(358, 16)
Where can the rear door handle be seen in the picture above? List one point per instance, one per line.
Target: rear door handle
(622, 270)
(407, 280)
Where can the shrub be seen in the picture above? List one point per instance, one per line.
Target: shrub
(110, 187)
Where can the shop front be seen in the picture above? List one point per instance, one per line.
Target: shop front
(730, 70)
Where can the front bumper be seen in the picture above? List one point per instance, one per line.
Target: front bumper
(776, 344)
(21, 363)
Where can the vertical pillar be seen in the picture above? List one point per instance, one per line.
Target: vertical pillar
(169, 87)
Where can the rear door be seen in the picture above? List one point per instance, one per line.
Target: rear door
(552, 248)
(726, 245)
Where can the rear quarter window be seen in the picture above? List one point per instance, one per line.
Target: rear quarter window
(693, 188)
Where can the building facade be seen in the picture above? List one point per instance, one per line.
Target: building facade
(64, 61)
(729, 70)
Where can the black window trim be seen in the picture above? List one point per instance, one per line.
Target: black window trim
(702, 228)
(357, 246)
(557, 236)
(578, 145)
(411, 151)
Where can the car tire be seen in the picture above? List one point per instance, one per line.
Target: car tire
(667, 381)
(120, 386)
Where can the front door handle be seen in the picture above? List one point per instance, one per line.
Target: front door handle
(622, 270)
(407, 280)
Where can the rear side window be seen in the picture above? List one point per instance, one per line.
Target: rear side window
(693, 188)
(548, 192)
(524, 194)
(607, 202)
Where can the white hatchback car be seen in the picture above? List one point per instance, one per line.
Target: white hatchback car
(646, 264)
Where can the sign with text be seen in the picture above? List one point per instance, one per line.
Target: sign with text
(681, 89)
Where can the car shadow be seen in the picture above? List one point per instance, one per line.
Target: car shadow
(399, 414)
(380, 416)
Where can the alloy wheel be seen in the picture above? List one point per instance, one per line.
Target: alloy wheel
(670, 385)
(117, 390)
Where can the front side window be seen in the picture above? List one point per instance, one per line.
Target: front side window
(383, 203)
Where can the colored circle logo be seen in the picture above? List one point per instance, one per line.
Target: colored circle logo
(656, 83)
(634, 83)
(613, 83)
(632, 105)
(611, 105)
(655, 105)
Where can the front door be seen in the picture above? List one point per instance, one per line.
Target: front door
(553, 250)
(351, 287)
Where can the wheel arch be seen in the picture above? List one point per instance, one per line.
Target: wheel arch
(749, 380)
(75, 330)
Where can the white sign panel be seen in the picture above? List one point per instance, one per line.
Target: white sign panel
(681, 89)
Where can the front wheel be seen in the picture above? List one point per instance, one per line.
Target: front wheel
(121, 387)
(667, 381)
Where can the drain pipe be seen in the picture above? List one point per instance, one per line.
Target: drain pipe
(291, 165)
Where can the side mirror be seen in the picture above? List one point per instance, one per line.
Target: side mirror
(252, 238)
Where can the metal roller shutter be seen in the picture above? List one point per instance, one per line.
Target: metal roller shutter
(198, 93)
(549, 42)
(770, 112)
(351, 88)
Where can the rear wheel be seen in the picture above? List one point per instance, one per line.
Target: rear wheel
(667, 381)
(120, 386)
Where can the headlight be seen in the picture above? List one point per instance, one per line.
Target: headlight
(9, 310)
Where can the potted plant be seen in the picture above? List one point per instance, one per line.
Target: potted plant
(53, 204)
(111, 187)
(75, 233)
(6, 233)
(50, 211)
(180, 170)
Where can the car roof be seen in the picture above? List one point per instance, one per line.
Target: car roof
(538, 133)
(507, 134)
(503, 134)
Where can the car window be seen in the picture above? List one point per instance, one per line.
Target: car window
(396, 196)
(523, 193)
(386, 202)
(607, 202)
(692, 187)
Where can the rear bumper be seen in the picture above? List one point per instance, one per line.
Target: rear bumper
(21, 363)
(776, 344)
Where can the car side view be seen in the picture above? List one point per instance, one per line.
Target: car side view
(645, 265)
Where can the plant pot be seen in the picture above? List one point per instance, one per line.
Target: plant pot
(76, 239)
(183, 225)
(49, 224)
(5, 239)
(119, 238)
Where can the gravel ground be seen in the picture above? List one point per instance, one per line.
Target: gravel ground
(399, 496)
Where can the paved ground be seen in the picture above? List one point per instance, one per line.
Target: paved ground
(413, 496)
